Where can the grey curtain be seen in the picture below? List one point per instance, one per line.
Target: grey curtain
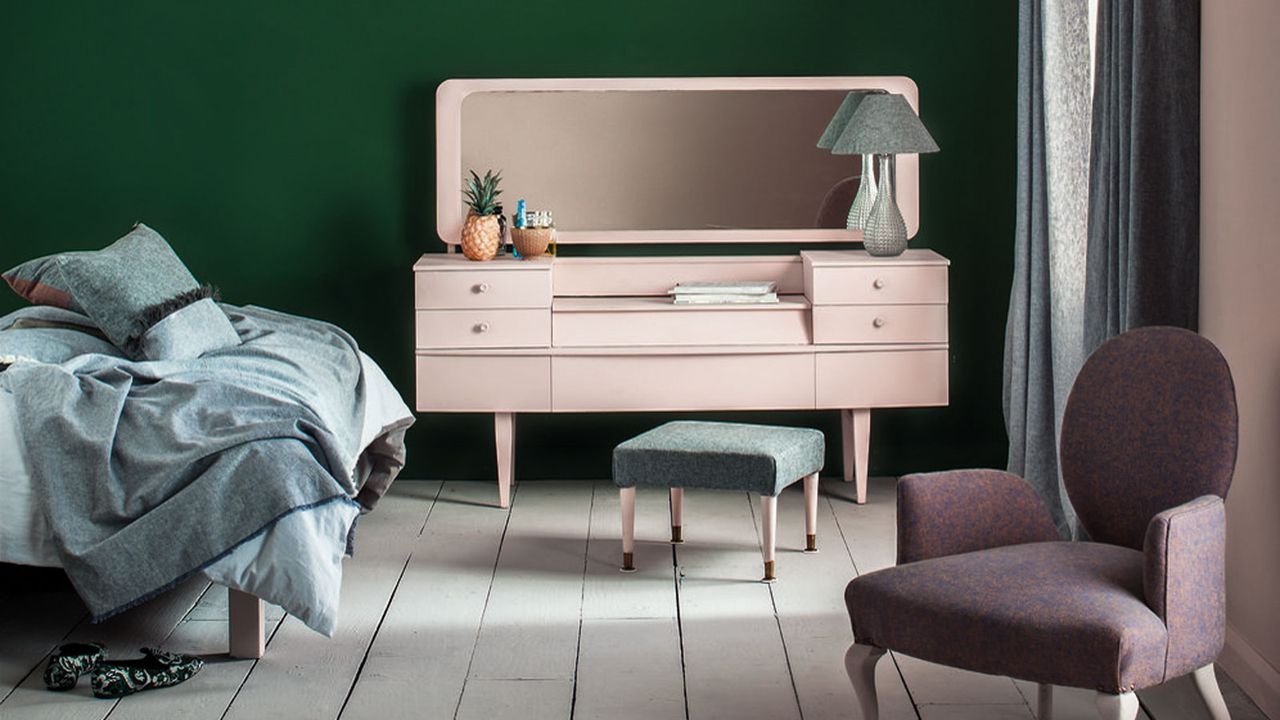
(1107, 234)
(1044, 334)
(1144, 189)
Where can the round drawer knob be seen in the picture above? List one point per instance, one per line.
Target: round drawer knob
(482, 288)
(878, 322)
(482, 327)
(878, 284)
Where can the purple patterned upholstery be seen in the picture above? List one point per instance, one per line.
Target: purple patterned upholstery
(1184, 580)
(1150, 424)
(948, 513)
(1148, 449)
(1064, 613)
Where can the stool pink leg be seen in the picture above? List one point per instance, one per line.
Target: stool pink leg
(811, 513)
(769, 519)
(628, 499)
(677, 515)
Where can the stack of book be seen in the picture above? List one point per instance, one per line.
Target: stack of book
(717, 293)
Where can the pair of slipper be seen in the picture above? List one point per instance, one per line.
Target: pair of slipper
(117, 678)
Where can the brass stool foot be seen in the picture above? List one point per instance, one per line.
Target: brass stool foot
(677, 536)
(811, 543)
(628, 562)
(768, 572)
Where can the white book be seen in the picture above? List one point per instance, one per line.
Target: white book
(725, 298)
(744, 287)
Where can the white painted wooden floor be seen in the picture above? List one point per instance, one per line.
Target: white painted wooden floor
(453, 608)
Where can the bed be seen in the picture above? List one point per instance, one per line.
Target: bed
(247, 461)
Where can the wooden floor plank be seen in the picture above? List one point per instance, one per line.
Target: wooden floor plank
(531, 623)
(206, 696)
(735, 663)
(149, 625)
(306, 674)
(869, 531)
(629, 669)
(32, 624)
(490, 699)
(417, 665)
(809, 597)
(629, 661)
(975, 712)
(650, 591)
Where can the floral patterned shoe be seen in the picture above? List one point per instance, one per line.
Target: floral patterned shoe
(69, 662)
(156, 669)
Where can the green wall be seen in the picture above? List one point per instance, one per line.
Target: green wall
(285, 149)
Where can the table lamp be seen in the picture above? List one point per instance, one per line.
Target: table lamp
(866, 196)
(884, 124)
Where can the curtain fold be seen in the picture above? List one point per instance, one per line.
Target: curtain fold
(1144, 200)
(1108, 203)
(1044, 334)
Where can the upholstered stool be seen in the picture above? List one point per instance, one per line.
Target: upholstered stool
(762, 459)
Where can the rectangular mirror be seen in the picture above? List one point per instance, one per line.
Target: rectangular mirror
(643, 160)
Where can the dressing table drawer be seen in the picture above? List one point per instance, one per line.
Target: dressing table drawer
(436, 329)
(515, 287)
(478, 383)
(897, 378)
(851, 324)
(852, 285)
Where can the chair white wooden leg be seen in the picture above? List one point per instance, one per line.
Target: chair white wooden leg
(627, 496)
(1044, 702)
(769, 519)
(677, 515)
(1207, 685)
(1117, 707)
(244, 625)
(860, 662)
(811, 513)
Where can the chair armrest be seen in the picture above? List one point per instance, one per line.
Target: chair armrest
(1184, 579)
(958, 511)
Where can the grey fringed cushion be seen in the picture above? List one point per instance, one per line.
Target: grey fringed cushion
(724, 456)
(126, 288)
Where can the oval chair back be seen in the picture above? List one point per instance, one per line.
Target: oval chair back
(1150, 423)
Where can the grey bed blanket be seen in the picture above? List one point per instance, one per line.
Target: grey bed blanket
(149, 471)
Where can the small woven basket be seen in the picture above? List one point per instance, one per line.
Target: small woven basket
(532, 242)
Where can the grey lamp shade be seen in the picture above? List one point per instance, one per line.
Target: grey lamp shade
(883, 124)
(840, 120)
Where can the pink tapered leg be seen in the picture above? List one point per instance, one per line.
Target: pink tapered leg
(855, 434)
(504, 435)
(627, 496)
(769, 519)
(811, 513)
(677, 515)
(244, 627)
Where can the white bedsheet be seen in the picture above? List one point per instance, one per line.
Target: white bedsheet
(286, 565)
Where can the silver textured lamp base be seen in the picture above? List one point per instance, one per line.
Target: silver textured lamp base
(866, 197)
(885, 233)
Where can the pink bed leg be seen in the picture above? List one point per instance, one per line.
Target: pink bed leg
(245, 627)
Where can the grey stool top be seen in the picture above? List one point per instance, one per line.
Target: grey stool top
(724, 456)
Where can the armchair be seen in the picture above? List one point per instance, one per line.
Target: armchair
(984, 583)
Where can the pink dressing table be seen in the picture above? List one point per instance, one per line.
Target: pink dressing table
(599, 334)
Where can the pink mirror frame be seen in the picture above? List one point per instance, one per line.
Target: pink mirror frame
(449, 171)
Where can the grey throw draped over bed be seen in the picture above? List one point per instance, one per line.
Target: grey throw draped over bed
(1107, 234)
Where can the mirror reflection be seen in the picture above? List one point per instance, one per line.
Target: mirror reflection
(664, 160)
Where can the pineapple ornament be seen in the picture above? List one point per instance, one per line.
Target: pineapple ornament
(482, 231)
